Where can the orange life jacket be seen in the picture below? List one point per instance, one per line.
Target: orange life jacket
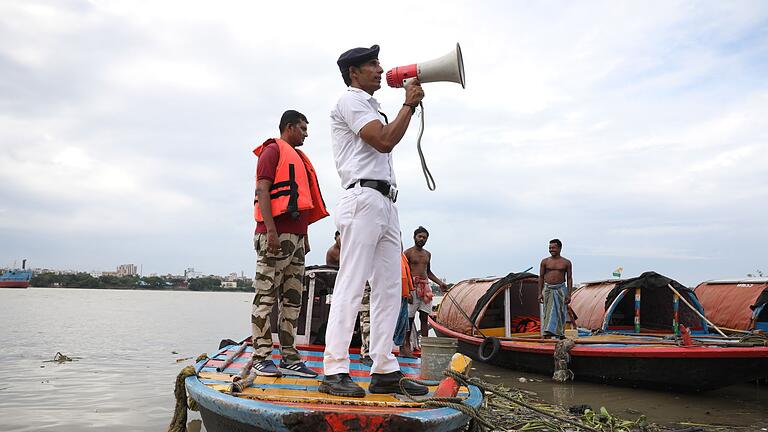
(295, 187)
(525, 324)
(406, 276)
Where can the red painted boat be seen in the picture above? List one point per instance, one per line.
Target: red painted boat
(480, 312)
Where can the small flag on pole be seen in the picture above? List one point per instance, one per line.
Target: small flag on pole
(617, 272)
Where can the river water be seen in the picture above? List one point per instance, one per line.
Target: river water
(130, 345)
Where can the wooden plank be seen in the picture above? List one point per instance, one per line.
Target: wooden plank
(315, 398)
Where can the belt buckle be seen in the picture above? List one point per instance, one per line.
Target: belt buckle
(392, 193)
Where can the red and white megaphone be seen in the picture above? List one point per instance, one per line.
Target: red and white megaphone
(449, 67)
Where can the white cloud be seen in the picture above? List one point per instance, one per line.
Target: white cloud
(147, 73)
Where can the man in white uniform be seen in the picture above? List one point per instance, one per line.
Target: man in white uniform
(367, 219)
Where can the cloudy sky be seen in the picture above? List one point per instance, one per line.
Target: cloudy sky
(633, 131)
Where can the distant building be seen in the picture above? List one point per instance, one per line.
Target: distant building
(127, 270)
(190, 273)
(229, 284)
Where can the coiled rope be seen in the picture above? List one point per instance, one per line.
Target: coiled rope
(755, 338)
(179, 420)
(562, 358)
(479, 419)
(448, 402)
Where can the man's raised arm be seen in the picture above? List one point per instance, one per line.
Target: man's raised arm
(383, 137)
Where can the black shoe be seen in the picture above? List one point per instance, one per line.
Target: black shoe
(366, 361)
(340, 385)
(390, 383)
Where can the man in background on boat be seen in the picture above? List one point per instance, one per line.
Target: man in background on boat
(420, 261)
(555, 289)
(287, 201)
(333, 255)
(401, 327)
(366, 216)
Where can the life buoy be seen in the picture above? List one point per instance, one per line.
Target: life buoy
(488, 348)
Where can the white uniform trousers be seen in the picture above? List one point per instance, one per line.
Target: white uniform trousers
(370, 251)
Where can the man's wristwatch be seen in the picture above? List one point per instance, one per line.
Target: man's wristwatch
(412, 106)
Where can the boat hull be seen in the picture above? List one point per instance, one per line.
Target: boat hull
(14, 284)
(15, 279)
(216, 420)
(684, 369)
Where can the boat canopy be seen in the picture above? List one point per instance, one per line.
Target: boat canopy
(480, 304)
(736, 304)
(611, 305)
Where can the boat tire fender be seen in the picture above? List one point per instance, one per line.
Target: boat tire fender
(488, 348)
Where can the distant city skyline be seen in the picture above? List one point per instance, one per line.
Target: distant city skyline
(126, 270)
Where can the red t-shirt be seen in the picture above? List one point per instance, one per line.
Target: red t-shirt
(265, 170)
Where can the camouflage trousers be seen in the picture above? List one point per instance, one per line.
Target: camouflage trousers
(279, 278)
(365, 320)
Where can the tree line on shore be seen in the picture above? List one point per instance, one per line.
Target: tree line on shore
(86, 280)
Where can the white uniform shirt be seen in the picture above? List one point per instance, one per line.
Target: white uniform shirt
(355, 159)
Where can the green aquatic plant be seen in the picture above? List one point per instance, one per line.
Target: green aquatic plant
(604, 421)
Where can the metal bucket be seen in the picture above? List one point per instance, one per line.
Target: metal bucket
(436, 353)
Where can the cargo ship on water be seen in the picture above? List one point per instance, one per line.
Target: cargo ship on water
(16, 278)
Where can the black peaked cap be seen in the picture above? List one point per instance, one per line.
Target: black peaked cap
(357, 56)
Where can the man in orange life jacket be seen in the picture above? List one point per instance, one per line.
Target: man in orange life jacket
(287, 200)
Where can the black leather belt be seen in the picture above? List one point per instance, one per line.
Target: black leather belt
(383, 187)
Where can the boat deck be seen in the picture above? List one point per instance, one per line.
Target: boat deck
(303, 392)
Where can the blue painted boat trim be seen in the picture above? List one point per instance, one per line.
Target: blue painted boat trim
(247, 411)
(609, 312)
(695, 301)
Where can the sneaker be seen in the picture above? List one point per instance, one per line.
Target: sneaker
(390, 383)
(266, 368)
(366, 361)
(340, 385)
(297, 369)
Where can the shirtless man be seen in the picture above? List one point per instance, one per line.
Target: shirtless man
(333, 256)
(419, 261)
(555, 289)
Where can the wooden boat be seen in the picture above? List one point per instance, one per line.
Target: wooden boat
(294, 404)
(480, 313)
(736, 304)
